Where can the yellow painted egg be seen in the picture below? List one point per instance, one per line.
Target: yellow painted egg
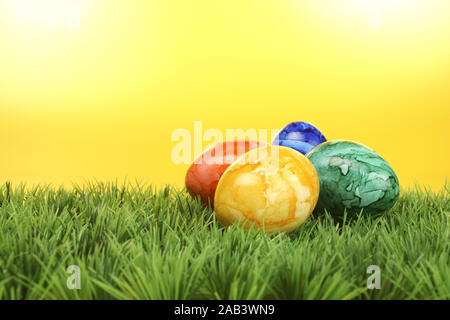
(273, 187)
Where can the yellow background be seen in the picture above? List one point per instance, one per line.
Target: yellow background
(102, 102)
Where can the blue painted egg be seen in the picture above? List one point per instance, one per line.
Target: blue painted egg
(300, 136)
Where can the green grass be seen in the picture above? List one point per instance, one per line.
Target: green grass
(138, 243)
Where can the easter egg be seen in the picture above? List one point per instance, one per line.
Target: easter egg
(300, 136)
(204, 173)
(353, 177)
(273, 187)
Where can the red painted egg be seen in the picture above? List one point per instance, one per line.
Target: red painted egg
(203, 175)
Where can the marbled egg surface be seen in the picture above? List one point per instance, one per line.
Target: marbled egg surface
(204, 173)
(353, 177)
(300, 136)
(273, 186)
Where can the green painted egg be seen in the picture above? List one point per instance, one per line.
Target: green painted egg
(353, 177)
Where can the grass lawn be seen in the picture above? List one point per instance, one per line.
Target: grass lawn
(138, 243)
